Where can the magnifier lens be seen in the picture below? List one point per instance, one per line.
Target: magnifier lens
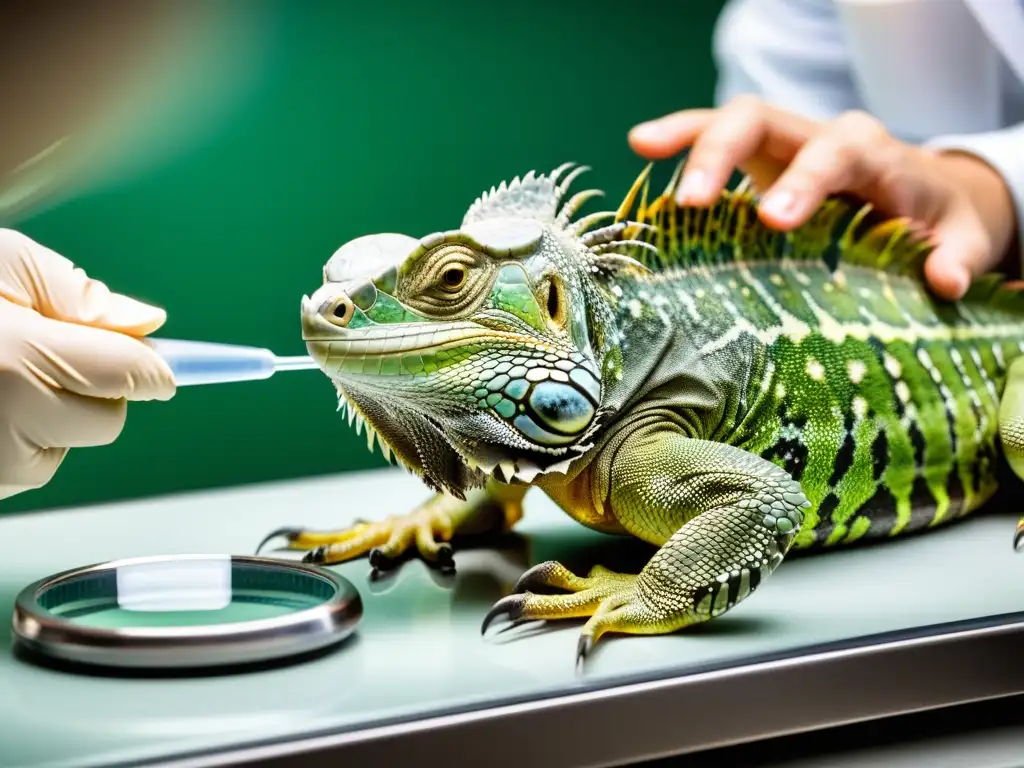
(186, 611)
(182, 593)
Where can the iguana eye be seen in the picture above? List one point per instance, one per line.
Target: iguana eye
(454, 277)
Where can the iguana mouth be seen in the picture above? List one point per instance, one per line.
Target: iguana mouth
(338, 349)
(439, 433)
(443, 459)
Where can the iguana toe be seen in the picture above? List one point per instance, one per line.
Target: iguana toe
(288, 534)
(298, 538)
(609, 600)
(315, 555)
(1018, 535)
(385, 542)
(550, 575)
(445, 557)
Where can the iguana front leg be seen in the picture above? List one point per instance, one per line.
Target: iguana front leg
(724, 519)
(431, 526)
(1011, 429)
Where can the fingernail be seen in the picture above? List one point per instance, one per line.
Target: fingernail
(650, 131)
(779, 205)
(130, 314)
(693, 185)
(961, 281)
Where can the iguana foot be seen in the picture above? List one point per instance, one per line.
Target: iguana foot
(738, 515)
(430, 527)
(303, 539)
(611, 601)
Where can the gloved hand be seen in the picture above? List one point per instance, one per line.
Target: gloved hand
(68, 361)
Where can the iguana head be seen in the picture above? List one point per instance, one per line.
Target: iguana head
(476, 351)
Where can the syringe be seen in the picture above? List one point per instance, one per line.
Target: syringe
(203, 362)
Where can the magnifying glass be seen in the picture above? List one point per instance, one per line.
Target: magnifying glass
(186, 612)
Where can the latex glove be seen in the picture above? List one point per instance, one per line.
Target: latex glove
(68, 361)
(797, 162)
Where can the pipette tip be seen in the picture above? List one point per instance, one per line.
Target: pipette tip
(295, 363)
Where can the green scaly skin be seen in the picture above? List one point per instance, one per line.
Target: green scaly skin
(686, 377)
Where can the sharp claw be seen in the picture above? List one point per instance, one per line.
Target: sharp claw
(379, 561)
(446, 558)
(531, 580)
(510, 607)
(583, 648)
(1018, 537)
(289, 534)
(318, 555)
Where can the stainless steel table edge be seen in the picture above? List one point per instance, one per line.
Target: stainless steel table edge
(607, 724)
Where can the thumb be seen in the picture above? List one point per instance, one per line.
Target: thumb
(88, 361)
(38, 278)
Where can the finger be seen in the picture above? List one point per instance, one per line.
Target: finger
(49, 419)
(719, 150)
(90, 361)
(843, 157)
(738, 135)
(35, 276)
(962, 253)
(37, 470)
(669, 135)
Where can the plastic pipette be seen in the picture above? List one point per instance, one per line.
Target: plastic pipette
(203, 362)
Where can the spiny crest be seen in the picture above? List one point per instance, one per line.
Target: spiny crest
(666, 235)
(534, 196)
(843, 230)
(351, 411)
(542, 198)
(993, 291)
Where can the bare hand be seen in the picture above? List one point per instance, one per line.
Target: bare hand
(798, 162)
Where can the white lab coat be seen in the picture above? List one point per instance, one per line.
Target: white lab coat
(943, 73)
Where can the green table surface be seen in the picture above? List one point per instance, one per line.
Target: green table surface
(418, 649)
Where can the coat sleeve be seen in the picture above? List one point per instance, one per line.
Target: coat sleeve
(789, 53)
(1004, 151)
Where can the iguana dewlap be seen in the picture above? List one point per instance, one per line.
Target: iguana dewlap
(685, 376)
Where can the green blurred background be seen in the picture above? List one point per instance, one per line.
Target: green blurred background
(353, 118)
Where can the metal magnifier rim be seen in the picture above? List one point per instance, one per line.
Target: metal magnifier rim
(302, 631)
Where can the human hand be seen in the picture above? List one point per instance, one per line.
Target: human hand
(797, 163)
(68, 362)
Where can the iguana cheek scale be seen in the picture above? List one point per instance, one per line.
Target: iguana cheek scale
(684, 376)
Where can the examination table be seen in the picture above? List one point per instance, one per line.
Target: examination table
(928, 622)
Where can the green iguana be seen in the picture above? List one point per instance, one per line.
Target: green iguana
(689, 377)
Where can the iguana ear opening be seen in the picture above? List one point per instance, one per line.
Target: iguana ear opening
(556, 302)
